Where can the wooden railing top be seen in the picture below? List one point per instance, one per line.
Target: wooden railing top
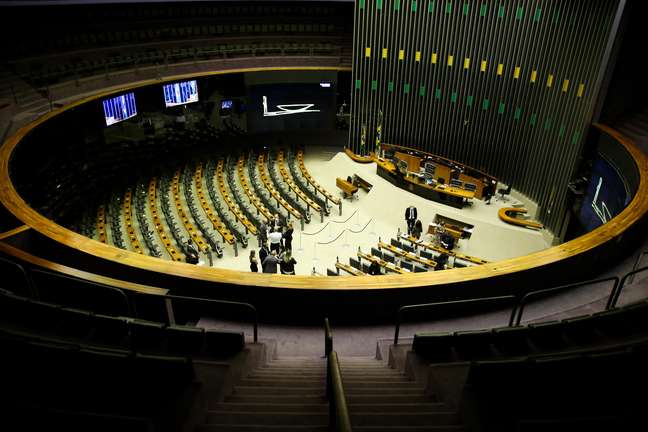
(635, 210)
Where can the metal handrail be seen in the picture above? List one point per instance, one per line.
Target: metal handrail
(515, 321)
(328, 338)
(226, 302)
(430, 305)
(614, 296)
(339, 419)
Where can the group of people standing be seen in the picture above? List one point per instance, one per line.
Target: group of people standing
(279, 252)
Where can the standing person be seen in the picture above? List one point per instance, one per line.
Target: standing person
(277, 225)
(191, 252)
(287, 263)
(288, 236)
(263, 253)
(418, 229)
(441, 262)
(263, 234)
(275, 241)
(411, 215)
(254, 264)
(270, 262)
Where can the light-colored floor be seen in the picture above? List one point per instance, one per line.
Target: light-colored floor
(379, 214)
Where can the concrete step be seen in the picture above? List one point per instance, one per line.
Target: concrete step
(283, 382)
(425, 407)
(375, 378)
(269, 407)
(399, 419)
(287, 372)
(368, 390)
(265, 418)
(440, 428)
(261, 428)
(277, 398)
(396, 399)
(349, 386)
(292, 368)
(246, 390)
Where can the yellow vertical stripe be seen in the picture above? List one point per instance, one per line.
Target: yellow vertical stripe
(418, 56)
(500, 69)
(534, 75)
(483, 66)
(434, 58)
(550, 80)
(516, 73)
(367, 52)
(565, 86)
(450, 60)
(401, 55)
(581, 90)
(466, 63)
(384, 53)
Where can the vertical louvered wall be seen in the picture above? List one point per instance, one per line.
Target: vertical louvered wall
(506, 86)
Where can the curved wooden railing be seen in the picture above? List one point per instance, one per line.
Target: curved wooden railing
(358, 158)
(599, 237)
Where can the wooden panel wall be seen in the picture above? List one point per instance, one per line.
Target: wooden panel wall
(507, 86)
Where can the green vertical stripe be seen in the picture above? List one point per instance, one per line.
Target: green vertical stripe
(561, 132)
(519, 14)
(374, 85)
(449, 7)
(469, 101)
(483, 9)
(406, 88)
(466, 8)
(556, 17)
(413, 5)
(431, 7)
(397, 5)
(518, 113)
(538, 13)
(485, 104)
(362, 4)
(357, 85)
(534, 119)
(547, 124)
(500, 110)
(390, 86)
(575, 138)
(379, 4)
(437, 93)
(422, 91)
(500, 13)
(453, 97)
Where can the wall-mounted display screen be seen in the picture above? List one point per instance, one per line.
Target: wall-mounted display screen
(605, 197)
(227, 103)
(180, 93)
(119, 108)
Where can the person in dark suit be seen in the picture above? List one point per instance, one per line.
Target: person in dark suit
(191, 252)
(418, 229)
(287, 237)
(374, 268)
(411, 215)
(254, 264)
(441, 262)
(263, 253)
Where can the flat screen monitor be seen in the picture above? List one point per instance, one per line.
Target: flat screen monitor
(119, 108)
(227, 104)
(180, 93)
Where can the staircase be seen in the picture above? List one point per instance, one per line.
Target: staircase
(381, 399)
(290, 395)
(285, 395)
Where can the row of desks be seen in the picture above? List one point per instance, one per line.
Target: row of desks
(240, 168)
(166, 241)
(311, 180)
(128, 217)
(276, 195)
(233, 207)
(439, 249)
(191, 229)
(291, 184)
(227, 235)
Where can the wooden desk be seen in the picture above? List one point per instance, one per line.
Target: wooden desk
(409, 255)
(508, 215)
(346, 187)
(347, 268)
(384, 264)
(439, 249)
(359, 181)
(444, 194)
